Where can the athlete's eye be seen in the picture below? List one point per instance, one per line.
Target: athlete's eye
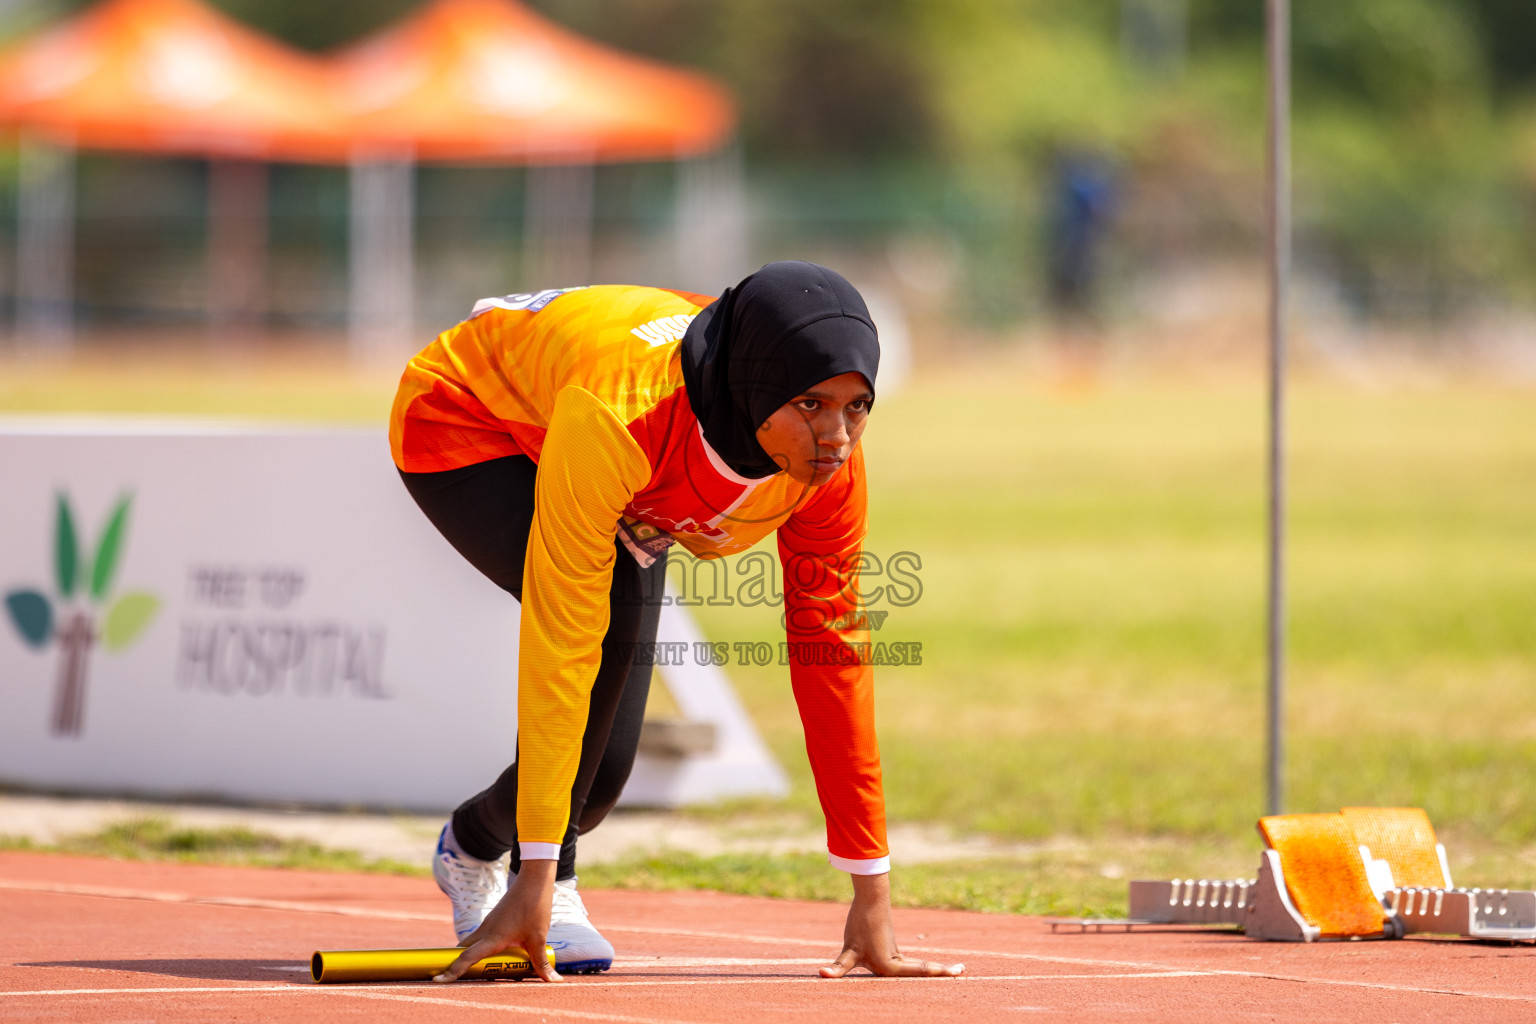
(809, 404)
(859, 405)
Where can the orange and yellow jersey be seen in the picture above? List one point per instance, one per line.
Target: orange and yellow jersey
(588, 382)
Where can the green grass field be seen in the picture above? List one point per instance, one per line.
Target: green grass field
(1092, 606)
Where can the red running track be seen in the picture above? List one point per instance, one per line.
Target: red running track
(98, 940)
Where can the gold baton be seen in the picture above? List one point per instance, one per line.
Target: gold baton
(338, 965)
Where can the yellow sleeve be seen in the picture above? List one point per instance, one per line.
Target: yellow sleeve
(588, 471)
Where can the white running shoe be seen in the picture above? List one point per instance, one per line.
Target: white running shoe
(579, 948)
(474, 886)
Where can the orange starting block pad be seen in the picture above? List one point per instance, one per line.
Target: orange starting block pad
(1367, 872)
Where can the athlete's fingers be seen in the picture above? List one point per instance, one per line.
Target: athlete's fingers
(488, 947)
(846, 961)
(473, 952)
(899, 966)
(929, 969)
(541, 965)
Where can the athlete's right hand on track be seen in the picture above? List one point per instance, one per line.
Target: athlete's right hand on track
(869, 938)
(520, 920)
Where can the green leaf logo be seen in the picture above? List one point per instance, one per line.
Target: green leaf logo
(66, 550)
(127, 618)
(107, 551)
(75, 628)
(32, 615)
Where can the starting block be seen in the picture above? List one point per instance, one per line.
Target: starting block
(1319, 870)
(1367, 872)
(1504, 915)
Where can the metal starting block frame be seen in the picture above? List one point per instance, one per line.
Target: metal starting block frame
(1189, 901)
(1262, 907)
(1505, 915)
(1182, 901)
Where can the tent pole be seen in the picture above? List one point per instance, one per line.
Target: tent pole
(381, 313)
(45, 243)
(710, 230)
(237, 245)
(1278, 53)
(558, 225)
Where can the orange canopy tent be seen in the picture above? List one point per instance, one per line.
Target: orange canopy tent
(459, 80)
(165, 77)
(171, 77)
(489, 80)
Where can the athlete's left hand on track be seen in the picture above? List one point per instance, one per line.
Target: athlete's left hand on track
(869, 939)
(520, 921)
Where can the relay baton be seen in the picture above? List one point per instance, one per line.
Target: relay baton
(336, 965)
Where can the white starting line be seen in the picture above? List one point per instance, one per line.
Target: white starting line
(1131, 968)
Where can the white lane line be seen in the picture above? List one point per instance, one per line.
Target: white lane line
(1138, 965)
(106, 892)
(356, 993)
(790, 941)
(582, 983)
(539, 1011)
(1150, 968)
(802, 942)
(1260, 975)
(709, 961)
(535, 991)
(253, 989)
(1381, 986)
(814, 980)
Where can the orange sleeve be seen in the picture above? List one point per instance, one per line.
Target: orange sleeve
(589, 469)
(819, 547)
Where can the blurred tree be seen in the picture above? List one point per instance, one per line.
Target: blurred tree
(841, 80)
(1397, 56)
(1507, 29)
(1503, 30)
(317, 26)
(303, 23)
(1393, 52)
(1020, 79)
(1410, 115)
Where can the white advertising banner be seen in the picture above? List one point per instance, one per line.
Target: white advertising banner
(263, 614)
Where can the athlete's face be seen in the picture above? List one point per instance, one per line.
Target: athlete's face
(813, 434)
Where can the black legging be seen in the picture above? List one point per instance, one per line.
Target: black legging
(485, 511)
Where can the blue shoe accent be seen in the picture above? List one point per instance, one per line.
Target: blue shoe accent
(584, 967)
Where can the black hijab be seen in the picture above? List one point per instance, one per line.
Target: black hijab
(779, 332)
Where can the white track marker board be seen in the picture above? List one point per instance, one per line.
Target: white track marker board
(740, 764)
(276, 621)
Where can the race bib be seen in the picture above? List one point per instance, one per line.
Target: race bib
(646, 542)
(530, 302)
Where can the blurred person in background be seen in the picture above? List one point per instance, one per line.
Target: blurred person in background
(1082, 206)
(561, 441)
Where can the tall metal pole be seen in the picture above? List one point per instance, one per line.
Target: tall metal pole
(45, 245)
(381, 304)
(1278, 52)
(237, 246)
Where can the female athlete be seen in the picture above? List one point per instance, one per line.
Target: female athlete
(561, 441)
